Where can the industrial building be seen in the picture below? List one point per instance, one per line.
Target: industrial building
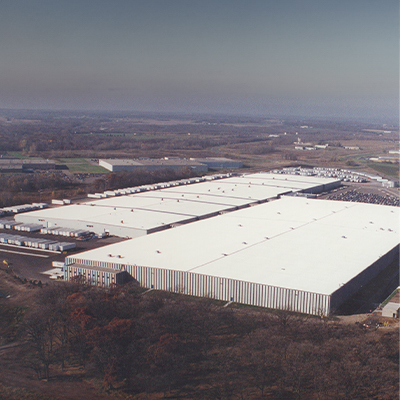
(27, 165)
(219, 162)
(263, 246)
(293, 253)
(116, 165)
(162, 207)
(95, 276)
(195, 164)
(391, 310)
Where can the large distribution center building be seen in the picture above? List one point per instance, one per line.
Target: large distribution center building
(299, 254)
(263, 246)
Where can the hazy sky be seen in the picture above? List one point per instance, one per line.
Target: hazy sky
(267, 57)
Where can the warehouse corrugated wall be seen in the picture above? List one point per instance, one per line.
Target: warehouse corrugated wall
(218, 288)
(346, 291)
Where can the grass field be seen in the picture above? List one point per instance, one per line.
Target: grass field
(386, 169)
(16, 154)
(82, 165)
(19, 155)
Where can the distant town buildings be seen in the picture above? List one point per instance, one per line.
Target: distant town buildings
(299, 145)
(352, 147)
(390, 159)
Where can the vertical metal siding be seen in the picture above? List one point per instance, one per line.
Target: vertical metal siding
(221, 288)
(226, 289)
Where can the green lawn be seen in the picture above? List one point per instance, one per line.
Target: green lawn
(386, 169)
(87, 168)
(73, 160)
(389, 298)
(82, 165)
(16, 154)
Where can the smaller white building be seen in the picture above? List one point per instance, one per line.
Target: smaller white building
(391, 310)
(96, 276)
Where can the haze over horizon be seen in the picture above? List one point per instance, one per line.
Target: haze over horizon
(304, 58)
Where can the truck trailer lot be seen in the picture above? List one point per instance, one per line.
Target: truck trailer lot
(30, 263)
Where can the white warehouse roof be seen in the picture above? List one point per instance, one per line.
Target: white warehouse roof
(309, 245)
(157, 209)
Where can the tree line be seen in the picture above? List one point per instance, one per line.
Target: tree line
(44, 186)
(156, 342)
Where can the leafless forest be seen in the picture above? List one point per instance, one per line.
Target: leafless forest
(165, 346)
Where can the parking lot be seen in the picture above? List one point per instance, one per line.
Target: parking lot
(371, 192)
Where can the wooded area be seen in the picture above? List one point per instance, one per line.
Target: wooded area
(44, 186)
(154, 342)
